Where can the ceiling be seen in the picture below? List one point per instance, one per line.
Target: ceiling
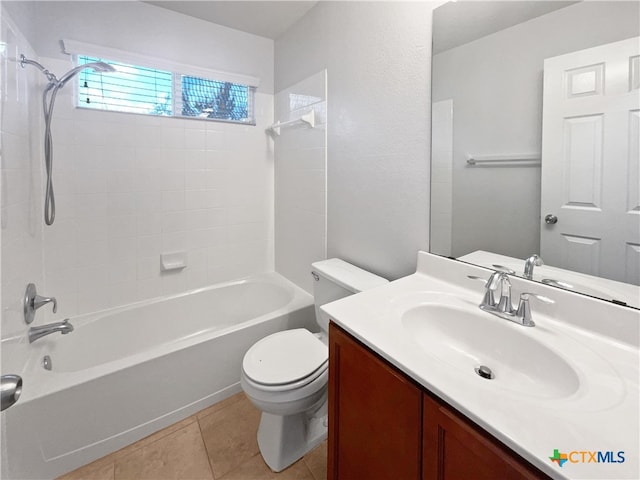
(457, 23)
(264, 18)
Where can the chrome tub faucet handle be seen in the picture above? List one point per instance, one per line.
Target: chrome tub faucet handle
(33, 301)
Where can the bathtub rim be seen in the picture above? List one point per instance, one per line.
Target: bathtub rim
(50, 382)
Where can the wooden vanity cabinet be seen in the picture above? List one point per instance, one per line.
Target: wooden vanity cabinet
(383, 425)
(454, 448)
(375, 415)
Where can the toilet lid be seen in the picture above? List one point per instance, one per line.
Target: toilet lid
(285, 357)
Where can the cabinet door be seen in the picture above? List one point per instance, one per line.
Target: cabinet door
(456, 449)
(374, 415)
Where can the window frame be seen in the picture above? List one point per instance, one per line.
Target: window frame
(178, 70)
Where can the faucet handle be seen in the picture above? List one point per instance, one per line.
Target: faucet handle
(32, 301)
(39, 301)
(495, 280)
(491, 285)
(505, 305)
(524, 308)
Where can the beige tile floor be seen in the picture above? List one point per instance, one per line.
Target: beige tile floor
(218, 443)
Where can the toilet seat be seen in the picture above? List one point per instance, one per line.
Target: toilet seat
(317, 375)
(285, 360)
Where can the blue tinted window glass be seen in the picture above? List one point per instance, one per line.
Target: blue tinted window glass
(206, 98)
(129, 89)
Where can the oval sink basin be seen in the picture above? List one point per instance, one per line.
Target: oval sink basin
(467, 339)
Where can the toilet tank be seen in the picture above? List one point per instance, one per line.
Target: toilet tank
(335, 279)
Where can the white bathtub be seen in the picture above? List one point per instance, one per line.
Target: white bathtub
(124, 373)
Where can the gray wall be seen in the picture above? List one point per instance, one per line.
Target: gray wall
(377, 56)
(496, 86)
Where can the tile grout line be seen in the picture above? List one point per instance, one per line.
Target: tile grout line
(215, 477)
(213, 473)
(304, 460)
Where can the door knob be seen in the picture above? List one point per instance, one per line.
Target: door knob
(550, 219)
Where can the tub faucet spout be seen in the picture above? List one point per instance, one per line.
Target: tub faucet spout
(63, 327)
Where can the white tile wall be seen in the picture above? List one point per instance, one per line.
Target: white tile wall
(300, 181)
(20, 192)
(129, 188)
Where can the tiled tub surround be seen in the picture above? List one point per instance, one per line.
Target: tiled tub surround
(128, 187)
(216, 443)
(124, 374)
(131, 187)
(21, 234)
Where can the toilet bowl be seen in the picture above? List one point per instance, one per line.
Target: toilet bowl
(285, 374)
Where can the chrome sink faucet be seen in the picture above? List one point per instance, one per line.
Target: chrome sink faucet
(503, 308)
(533, 261)
(63, 327)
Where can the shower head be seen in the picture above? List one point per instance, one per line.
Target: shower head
(99, 67)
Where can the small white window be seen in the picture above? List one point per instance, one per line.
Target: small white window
(150, 91)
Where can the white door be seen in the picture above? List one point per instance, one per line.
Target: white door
(591, 162)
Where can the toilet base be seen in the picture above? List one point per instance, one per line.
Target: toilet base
(285, 439)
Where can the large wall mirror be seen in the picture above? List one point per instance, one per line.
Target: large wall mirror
(535, 141)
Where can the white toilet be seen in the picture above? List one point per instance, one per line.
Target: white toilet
(285, 374)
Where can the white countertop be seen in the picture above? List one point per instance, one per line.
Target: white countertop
(602, 415)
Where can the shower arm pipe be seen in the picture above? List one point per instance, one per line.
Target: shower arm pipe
(50, 76)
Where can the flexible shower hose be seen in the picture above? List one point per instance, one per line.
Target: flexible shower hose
(47, 107)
